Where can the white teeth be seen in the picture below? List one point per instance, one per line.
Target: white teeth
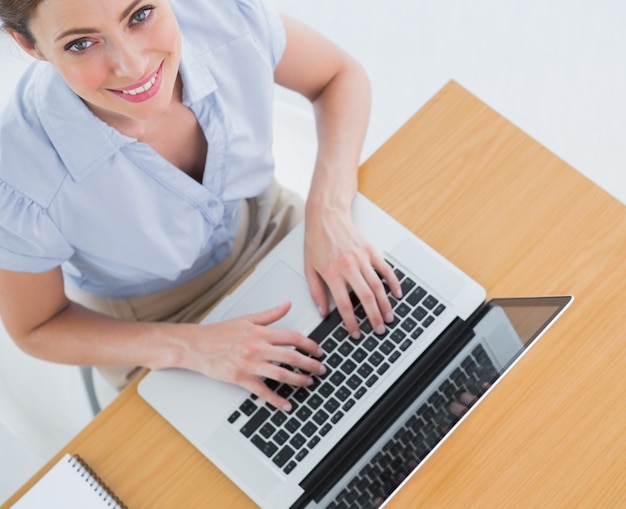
(141, 89)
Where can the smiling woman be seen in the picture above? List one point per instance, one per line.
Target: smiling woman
(137, 185)
(107, 51)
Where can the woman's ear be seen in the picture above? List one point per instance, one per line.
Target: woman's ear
(28, 46)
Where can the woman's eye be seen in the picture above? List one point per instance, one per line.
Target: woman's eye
(78, 46)
(141, 15)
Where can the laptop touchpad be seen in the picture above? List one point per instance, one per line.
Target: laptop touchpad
(279, 284)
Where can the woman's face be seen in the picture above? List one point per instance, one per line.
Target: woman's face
(120, 56)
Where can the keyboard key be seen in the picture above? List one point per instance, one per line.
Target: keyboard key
(343, 393)
(292, 424)
(309, 429)
(354, 381)
(365, 370)
(387, 347)
(337, 417)
(397, 336)
(255, 421)
(416, 296)
(301, 394)
(267, 430)
(417, 333)
(280, 437)
(337, 378)
(326, 390)
(331, 405)
(248, 407)
(408, 324)
(303, 413)
(267, 448)
(406, 285)
(278, 418)
(430, 302)
(334, 360)
(330, 322)
(419, 313)
(315, 401)
(290, 466)
(340, 333)
(348, 405)
(402, 309)
(283, 456)
(348, 366)
(359, 355)
(313, 442)
(301, 455)
(320, 417)
(329, 345)
(370, 343)
(297, 441)
(376, 358)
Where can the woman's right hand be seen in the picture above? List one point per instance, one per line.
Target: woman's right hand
(245, 350)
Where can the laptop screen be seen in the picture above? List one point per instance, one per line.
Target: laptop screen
(466, 369)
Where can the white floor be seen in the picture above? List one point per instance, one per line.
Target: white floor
(553, 67)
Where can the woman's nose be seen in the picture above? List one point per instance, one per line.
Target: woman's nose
(126, 62)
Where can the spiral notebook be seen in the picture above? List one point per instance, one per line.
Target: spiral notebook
(70, 484)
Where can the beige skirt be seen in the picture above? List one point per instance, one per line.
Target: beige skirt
(265, 220)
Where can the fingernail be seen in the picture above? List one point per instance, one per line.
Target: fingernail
(320, 351)
(310, 381)
(322, 370)
(389, 317)
(320, 310)
(380, 329)
(286, 407)
(355, 334)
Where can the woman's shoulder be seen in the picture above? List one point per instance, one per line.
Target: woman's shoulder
(211, 25)
(25, 147)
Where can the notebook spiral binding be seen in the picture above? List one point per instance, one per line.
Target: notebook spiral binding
(102, 490)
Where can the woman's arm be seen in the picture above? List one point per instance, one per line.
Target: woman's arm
(45, 324)
(337, 257)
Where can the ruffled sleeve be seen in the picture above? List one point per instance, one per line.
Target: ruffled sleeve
(30, 241)
(266, 26)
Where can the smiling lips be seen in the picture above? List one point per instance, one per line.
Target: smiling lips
(141, 91)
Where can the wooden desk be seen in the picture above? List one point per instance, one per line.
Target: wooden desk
(521, 222)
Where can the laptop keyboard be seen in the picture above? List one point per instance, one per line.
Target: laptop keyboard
(353, 368)
(417, 437)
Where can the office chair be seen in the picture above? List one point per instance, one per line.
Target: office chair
(41, 403)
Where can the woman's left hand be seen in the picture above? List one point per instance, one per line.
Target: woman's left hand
(338, 258)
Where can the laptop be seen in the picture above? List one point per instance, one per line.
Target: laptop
(446, 384)
(288, 460)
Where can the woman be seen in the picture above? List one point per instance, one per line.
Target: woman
(136, 179)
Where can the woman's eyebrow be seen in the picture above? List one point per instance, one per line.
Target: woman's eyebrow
(84, 31)
(128, 9)
(75, 31)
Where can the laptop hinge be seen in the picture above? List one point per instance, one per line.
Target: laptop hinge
(394, 402)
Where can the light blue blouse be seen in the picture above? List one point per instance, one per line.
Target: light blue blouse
(118, 218)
